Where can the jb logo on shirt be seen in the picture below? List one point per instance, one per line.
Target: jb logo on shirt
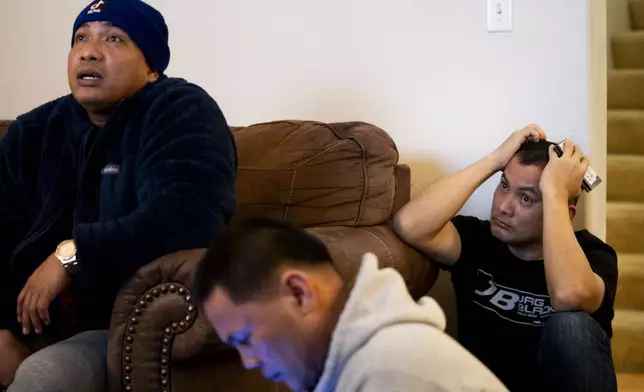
(514, 305)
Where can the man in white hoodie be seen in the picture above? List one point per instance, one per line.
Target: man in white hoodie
(272, 291)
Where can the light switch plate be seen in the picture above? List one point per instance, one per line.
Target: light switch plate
(499, 15)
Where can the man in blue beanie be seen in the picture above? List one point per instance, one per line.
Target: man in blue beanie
(131, 166)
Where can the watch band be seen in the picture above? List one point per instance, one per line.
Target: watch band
(66, 254)
(71, 265)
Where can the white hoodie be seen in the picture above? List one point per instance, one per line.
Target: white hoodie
(386, 342)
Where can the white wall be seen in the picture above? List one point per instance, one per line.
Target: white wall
(425, 71)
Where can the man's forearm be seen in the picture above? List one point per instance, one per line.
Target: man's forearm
(430, 211)
(572, 285)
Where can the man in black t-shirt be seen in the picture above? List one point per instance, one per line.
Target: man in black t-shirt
(534, 297)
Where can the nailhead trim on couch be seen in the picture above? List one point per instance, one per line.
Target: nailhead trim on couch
(168, 335)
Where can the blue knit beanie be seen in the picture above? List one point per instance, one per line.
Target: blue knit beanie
(144, 24)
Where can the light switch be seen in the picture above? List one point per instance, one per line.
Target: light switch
(499, 15)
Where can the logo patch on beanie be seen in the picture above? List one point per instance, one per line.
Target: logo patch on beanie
(96, 7)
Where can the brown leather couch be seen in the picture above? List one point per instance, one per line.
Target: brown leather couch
(341, 181)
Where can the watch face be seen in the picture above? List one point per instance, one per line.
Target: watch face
(67, 249)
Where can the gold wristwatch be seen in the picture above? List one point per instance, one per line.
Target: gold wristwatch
(66, 253)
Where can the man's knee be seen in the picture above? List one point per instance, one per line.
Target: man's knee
(569, 320)
(38, 366)
(6, 337)
(569, 331)
(76, 364)
(567, 337)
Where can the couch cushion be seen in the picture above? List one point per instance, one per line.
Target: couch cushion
(313, 173)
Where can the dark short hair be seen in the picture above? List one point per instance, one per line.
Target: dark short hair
(244, 258)
(534, 153)
(537, 154)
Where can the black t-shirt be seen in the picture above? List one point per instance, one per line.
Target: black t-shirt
(503, 303)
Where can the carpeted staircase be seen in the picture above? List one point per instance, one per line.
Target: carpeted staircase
(625, 209)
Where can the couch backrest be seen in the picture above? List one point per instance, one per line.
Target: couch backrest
(315, 174)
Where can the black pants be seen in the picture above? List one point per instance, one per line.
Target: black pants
(575, 355)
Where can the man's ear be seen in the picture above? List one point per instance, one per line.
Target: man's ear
(153, 75)
(297, 286)
(572, 211)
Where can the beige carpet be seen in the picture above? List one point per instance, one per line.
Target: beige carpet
(625, 210)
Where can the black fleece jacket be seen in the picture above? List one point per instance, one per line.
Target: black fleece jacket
(158, 177)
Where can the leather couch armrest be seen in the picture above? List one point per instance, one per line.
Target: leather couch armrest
(155, 323)
(348, 244)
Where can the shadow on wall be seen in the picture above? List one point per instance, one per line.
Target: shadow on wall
(424, 171)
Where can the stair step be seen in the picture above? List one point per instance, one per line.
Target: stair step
(628, 341)
(626, 89)
(625, 173)
(625, 226)
(637, 14)
(625, 132)
(630, 382)
(630, 287)
(628, 49)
